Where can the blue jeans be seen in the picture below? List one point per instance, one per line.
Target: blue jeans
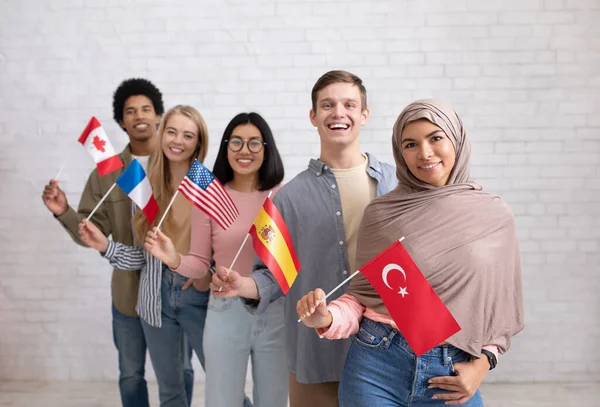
(129, 340)
(183, 315)
(233, 336)
(382, 370)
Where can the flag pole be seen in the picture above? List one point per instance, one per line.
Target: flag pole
(62, 167)
(341, 284)
(167, 210)
(102, 200)
(242, 246)
(244, 242)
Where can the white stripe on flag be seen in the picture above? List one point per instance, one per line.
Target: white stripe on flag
(96, 154)
(141, 193)
(204, 202)
(212, 193)
(224, 198)
(201, 199)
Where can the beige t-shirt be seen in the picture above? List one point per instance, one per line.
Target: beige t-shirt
(357, 189)
(178, 227)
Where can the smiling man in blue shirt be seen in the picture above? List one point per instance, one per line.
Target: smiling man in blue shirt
(322, 207)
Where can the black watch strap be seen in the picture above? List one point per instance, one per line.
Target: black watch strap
(491, 358)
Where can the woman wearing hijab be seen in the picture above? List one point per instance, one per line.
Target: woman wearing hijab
(464, 242)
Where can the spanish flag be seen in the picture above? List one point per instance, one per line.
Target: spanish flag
(273, 244)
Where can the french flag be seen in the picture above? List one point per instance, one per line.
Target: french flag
(135, 184)
(96, 142)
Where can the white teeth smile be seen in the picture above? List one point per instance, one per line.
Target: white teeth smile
(175, 150)
(429, 166)
(141, 126)
(338, 126)
(244, 161)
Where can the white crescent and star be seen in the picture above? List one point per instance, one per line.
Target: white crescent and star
(384, 276)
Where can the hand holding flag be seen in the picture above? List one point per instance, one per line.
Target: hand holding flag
(417, 310)
(54, 198)
(419, 313)
(161, 246)
(312, 309)
(92, 236)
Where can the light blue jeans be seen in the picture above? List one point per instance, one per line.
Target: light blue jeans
(183, 313)
(231, 336)
(382, 370)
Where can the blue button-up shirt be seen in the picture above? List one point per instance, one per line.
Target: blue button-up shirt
(311, 206)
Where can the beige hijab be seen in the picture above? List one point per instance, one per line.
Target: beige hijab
(462, 239)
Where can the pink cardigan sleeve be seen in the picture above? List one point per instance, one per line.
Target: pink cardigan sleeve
(346, 313)
(197, 262)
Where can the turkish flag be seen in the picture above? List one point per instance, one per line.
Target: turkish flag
(96, 142)
(415, 307)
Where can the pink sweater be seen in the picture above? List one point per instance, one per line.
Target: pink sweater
(209, 240)
(347, 312)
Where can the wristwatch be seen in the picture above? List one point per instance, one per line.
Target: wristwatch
(491, 358)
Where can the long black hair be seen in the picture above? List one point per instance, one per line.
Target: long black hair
(271, 171)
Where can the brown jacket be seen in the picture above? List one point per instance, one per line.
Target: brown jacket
(113, 217)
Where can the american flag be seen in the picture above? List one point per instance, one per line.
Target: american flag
(203, 190)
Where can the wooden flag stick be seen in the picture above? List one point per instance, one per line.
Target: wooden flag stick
(62, 167)
(102, 200)
(239, 251)
(167, 210)
(340, 285)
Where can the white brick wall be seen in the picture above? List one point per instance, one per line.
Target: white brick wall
(524, 74)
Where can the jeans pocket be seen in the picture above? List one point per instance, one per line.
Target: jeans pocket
(219, 304)
(369, 338)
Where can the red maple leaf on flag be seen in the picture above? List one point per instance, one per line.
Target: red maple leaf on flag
(99, 143)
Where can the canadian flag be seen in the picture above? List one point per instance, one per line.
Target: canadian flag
(413, 304)
(96, 142)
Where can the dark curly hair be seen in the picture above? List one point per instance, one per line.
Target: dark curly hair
(135, 87)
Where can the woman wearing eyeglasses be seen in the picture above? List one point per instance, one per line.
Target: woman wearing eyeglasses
(249, 166)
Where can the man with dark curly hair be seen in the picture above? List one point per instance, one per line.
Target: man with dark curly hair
(137, 108)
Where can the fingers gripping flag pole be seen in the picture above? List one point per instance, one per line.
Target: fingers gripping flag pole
(340, 285)
(415, 307)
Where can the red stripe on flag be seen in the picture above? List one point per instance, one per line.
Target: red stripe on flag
(272, 211)
(151, 210)
(215, 196)
(109, 165)
(269, 260)
(223, 197)
(92, 124)
(199, 199)
(204, 202)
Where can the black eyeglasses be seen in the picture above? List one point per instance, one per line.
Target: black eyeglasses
(236, 144)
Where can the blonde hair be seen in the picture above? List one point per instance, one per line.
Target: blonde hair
(159, 174)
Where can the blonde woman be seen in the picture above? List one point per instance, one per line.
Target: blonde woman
(168, 310)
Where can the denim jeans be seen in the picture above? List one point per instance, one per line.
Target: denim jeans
(183, 315)
(130, 342)
(232, 337)
(382, 370)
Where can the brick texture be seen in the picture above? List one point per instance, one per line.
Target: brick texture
(523, 74)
